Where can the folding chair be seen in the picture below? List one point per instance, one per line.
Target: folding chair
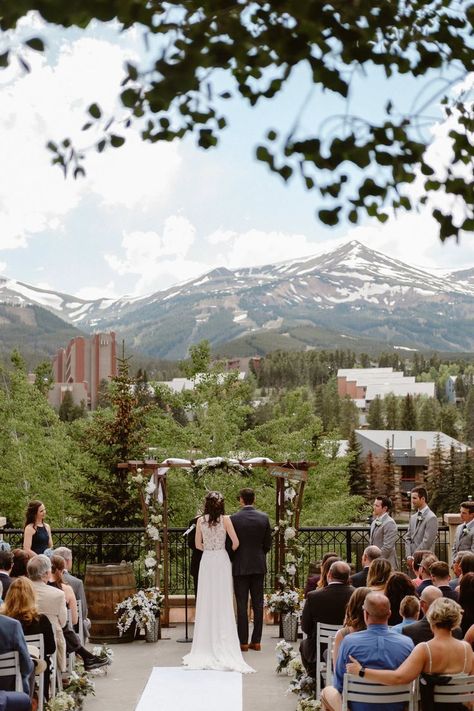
(329, 665)
(56, 676)
(38, 641)
(10, 666)
(358, 689)
(80, 622)
(323, 634)
(460, 690)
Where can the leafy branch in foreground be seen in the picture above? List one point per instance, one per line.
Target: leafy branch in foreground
(202, 54)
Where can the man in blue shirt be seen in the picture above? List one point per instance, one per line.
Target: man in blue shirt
(377, 647)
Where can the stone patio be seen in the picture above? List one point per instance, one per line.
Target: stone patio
(121, 689)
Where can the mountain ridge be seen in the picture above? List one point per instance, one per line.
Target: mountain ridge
(351, 290)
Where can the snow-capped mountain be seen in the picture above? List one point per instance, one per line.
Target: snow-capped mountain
(351, 290)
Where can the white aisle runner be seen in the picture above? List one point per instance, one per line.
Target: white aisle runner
(180, 689)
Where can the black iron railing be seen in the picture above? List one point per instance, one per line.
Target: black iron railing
(111, 545)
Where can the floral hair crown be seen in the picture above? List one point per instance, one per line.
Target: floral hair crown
(216, 495)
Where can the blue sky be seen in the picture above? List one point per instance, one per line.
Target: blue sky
(147, 216)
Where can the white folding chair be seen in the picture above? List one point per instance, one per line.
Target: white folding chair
(38, 641)
(10, 666)
(329, 665)
(323, 634)
(357, 689)
(81, 622)
(56, 676)
(460, 690)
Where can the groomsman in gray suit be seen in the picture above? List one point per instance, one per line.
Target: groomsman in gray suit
(464, 539)
(423, 527)
(384, 531)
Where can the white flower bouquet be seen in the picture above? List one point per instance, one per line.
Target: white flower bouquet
(284, 654)
(142, 608)
(284, 601)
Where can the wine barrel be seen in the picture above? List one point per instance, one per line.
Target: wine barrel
(106, 586)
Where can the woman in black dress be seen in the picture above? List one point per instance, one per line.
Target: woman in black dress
(37, 533)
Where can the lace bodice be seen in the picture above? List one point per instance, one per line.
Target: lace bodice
(213, 537)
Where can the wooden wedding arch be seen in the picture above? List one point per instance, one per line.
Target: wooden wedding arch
(297, 472)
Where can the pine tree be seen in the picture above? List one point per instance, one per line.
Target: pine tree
(358, 485)
(389, 476)
(469, 418)
(436, 476)
(114, 435)
(391, 409)
(408, 416)
(374, 474)
(348, 417)
(375, 415)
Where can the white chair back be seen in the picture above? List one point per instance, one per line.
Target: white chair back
(323, 634)
(38, 641)
(10, 666)
(81, 621)
(460, 690)
(358, 689)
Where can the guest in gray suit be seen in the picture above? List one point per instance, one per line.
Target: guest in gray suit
(384, 531)
(464, 539)
(249, 566)
(423, 527)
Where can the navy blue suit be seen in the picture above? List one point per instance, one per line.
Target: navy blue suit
(249, 566)
(12, 639)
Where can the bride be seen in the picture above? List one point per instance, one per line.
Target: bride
(215, 641)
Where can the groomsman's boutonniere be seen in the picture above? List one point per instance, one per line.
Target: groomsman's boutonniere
(464, 530)
(419, 517)
(378, 522)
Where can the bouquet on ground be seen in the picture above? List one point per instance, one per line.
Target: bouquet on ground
(140, 609)
(284, 601)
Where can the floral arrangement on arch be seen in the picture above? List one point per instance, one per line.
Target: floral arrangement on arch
(284, 601)
(140, 609)
(214, 465)
(153, 523)
(293, 549)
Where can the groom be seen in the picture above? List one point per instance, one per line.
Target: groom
(249, 566)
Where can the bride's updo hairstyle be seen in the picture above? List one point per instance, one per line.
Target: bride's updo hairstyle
(214, 507)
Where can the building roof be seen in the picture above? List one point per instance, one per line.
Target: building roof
(409, 441)
(399, 389)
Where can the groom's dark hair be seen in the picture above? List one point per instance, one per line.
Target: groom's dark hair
(247, 496)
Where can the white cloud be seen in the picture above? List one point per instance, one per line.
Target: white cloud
(159, 259)
(257, 247)
(50, 104)
(90, 293)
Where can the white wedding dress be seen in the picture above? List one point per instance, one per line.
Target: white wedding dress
(215, 641)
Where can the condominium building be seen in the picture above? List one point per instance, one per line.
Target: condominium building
(82, 366)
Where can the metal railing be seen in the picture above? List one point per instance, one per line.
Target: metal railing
(111, 545)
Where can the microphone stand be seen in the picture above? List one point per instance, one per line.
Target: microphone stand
(186, 638)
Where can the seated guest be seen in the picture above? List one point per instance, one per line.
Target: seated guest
(467, 564)
(314, 571)
(326, 605)
(326, 564)
(20, 561)
(466, 600)
(73, 642)
(456, 566)
(469, 636)
(424, 572)
(20, 604)
(439, 572)
(359, 580)
(398, 586)
(421, 631)
(415, 565)
(409, 612)
(379, 573)
(442, 655)
(51, 602)
(6, 562)
(12, 639)
(76, 584)
(353, 621)
(377, 646)
(14, 701)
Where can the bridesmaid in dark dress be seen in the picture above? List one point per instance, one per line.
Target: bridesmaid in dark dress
(37, 533)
